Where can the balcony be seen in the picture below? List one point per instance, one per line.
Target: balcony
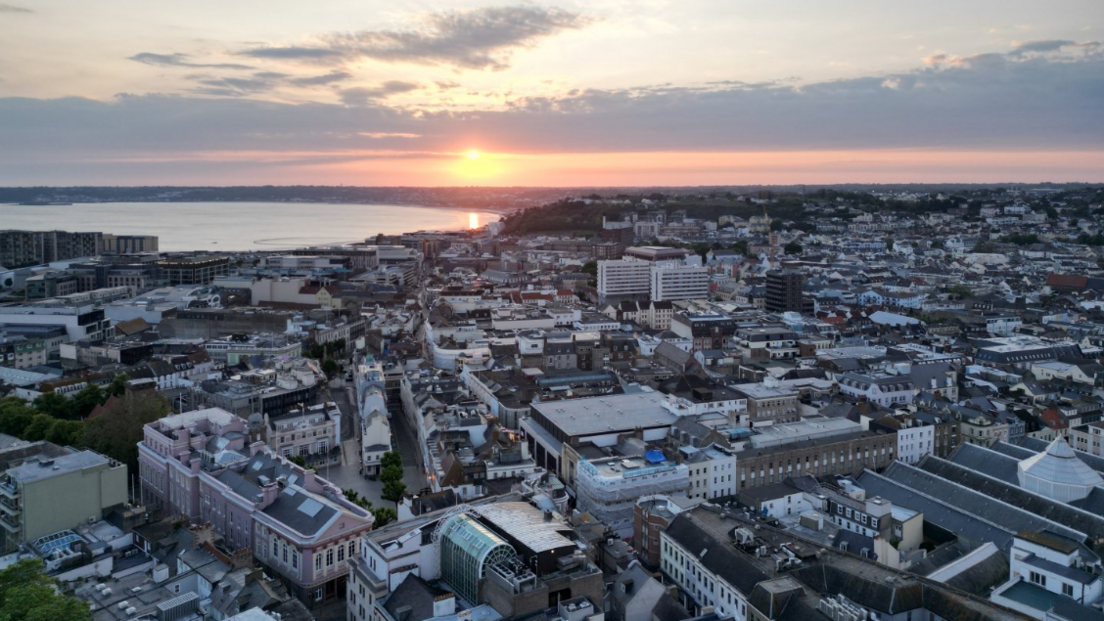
(10, 524)
(7, 490)
(9, 507)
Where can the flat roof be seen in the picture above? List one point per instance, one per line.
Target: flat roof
(607, 413)
(526, 523)
(40, 469)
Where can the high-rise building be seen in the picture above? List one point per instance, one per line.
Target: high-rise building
(784, 291)
(22, 248)
(624, 278)
(679, 282)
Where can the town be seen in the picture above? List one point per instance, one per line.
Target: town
(770, 405)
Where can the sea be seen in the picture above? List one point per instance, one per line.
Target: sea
(242, 226)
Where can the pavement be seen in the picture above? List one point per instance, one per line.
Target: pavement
(347, 475)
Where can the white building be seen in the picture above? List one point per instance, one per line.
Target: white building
(712, 472)
(624, 278)
(609, 488)
(1044, 565)
(915, 442)
(679, 283)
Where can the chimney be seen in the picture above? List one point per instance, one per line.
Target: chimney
(402, 613)
(309, 483)
(195, 464)
(268, 494)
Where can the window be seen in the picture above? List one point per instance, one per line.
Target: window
(317, 562)
(1067, 589)
(352, 549)
(329, 557)
(318, 594)
(1038, 578)
(340, 553)
(294, 559)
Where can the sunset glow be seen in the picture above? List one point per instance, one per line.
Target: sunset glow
(546, 93)
(473, 220)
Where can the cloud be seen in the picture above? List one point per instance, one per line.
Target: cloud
(9, 8)
(322, 80)
(293, 53)
(476, 39)
(362, 95)
(1004, 102)
(1040, 46)
(181, 60)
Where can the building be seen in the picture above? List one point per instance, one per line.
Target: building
(81, 320)
(129, 244)
(555, 430)
(498, 552)
(710, 572)
(200, 465)
(624, 278)
(192, 270)
(608, 488)
(24, 248)
(312, 433)
(1051, 574)
(841, 454)
(681, 282)
(651, 516)
(784, 289)
(45, 489)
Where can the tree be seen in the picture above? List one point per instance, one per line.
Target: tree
(391, 458)
(117, 387)
(88, 399)
(384, 515)
(298, 461)
(354, 497)
(54, 404)
(28, 594)
(15, 416)
(329, 367)
(393, 490)
(937, 243)
(40, 424)
(889, 243)
(792, 248)
(117, 431)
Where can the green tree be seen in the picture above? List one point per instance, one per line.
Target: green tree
(393, 490)
(117, 431)
(87, 400)
(391, 458)
(38, 428)
(329, 367)
(298, 461)
(65, 432)
(54, 404)
(792, 248)
(937, 243)
(28, 594)
(384, 515)
(15, 416)
(117, 387)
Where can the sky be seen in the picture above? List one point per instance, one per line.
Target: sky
(606, 92)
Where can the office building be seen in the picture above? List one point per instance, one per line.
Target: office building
(23, 248)
(679, 282)
(126, 244)
(46, 488)
(624, 278)
(784, 292)
(81, 320)
(192, 270)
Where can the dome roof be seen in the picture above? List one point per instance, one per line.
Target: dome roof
(1058, 466)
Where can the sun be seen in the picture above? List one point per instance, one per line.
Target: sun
(473, 155)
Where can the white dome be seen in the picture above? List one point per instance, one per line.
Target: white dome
(1057, 473)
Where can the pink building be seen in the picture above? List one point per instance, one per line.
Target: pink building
(201, 465)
